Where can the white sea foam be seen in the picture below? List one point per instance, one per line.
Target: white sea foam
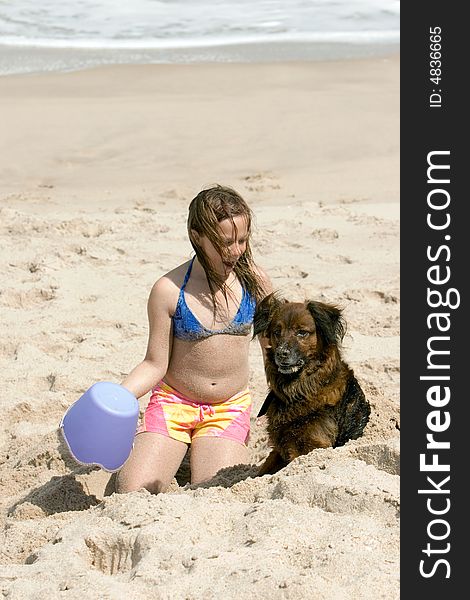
(206, 42)
(143, 22)
(164, 25)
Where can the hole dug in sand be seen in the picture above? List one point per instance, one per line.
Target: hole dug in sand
(60, 494)
(385, 457)
(114, 555)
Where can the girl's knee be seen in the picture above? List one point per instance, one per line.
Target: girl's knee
(122, 484)
(126, 483)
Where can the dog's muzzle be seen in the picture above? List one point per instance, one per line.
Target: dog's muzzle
(288, 360)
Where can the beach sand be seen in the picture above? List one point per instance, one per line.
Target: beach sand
(97, 171)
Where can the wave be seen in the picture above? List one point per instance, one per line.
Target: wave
(351, 37)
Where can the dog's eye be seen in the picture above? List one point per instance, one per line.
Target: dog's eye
(303, 333)
(277, 333)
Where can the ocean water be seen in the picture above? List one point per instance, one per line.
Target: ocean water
(60, 34)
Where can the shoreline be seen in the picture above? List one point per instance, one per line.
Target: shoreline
(20, 60)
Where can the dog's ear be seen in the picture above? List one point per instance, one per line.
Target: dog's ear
(329, 322)
(264, 313)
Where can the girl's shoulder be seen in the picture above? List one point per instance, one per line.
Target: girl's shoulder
(176, 276)
(166, 289)
(260, 271)
(264, 278)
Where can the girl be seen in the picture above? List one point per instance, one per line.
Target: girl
(200, 316)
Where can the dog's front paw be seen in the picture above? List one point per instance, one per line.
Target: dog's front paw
(272, 464)
(293, 453)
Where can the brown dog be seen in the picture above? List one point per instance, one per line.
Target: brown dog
(315, 401)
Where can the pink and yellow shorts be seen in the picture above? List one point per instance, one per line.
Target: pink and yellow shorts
(172, 414)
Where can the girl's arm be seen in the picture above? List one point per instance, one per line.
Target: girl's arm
(155, 364)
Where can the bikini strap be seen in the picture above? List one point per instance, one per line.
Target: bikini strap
(188, 273)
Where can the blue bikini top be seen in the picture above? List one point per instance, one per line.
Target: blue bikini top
(187, 327)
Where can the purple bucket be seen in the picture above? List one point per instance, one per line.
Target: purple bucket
(100, 426)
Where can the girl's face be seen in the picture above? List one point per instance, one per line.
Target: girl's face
(234, 240)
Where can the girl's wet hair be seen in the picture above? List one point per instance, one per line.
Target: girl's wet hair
(206, 211)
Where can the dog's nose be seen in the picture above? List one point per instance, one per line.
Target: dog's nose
(283, 351)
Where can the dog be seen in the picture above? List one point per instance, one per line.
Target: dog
(315, 400)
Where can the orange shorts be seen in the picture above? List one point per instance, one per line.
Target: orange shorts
(172, 414)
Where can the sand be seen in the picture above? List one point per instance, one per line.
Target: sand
(97, 171)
